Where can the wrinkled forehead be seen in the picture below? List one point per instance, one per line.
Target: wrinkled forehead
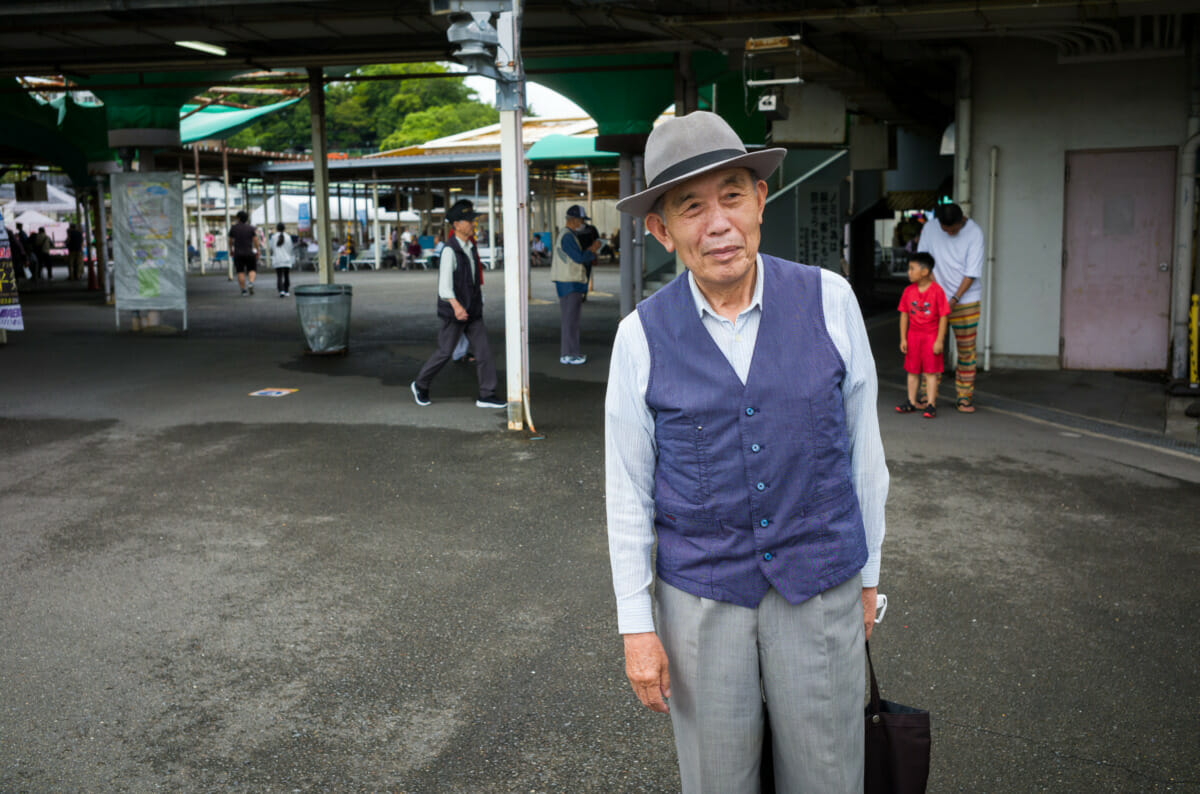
(712, 180)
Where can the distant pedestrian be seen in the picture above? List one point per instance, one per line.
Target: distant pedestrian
(18, 242)
(460, 307)
(41, 243)
(956, 243)
(570, 272)
(283, 259)
(243, 244)
(924, 315)
(74, 252)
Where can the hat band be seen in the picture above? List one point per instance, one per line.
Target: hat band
(695, 164)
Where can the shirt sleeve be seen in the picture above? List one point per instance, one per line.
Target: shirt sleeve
(629, 460)
(903, 307)
(973, 260)
(446, 274)
(570, 247)
(868, 467)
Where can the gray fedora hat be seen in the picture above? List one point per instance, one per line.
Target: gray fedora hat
(686, 147)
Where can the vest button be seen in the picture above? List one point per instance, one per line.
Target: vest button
(767, 556)
(755, 448)
(764, 523)
(749, 412)
(761, 486)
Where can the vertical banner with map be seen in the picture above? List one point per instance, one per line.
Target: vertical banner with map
(10, 301)
(149, 251)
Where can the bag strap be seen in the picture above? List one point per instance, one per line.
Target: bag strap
(875, 706)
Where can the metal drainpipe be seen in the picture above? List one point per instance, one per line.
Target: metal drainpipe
(989, 278)
(1185, 276)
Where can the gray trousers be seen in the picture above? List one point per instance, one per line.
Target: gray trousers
(806, 660)
(571, 305)
(476, 333)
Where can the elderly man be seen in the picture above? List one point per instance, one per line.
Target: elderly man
(570, 271)
(460, 308)
(742, 434)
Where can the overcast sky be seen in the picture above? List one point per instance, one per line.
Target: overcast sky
(545, 102)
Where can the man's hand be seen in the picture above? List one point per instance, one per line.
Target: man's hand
(646, 668)
(903, 345)
(460, 313)
(868, 602)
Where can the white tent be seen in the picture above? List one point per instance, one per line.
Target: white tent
(265, 214)
(32, 219)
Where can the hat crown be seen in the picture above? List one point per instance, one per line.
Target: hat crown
(677, 142)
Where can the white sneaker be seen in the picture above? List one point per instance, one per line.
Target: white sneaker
(573, 360)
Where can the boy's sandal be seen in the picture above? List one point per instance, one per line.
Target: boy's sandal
(966, 406)
(930, 411)
(906, 408)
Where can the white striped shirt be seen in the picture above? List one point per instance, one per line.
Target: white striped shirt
(630, 451)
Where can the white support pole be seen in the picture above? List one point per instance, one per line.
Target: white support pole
(375, 214)
(492, 217)
(515, 187)
(316, 100)
(199, 207)
(228, 223)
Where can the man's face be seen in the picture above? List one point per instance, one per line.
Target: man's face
(953, 229)
(464, 228)
(712, 222)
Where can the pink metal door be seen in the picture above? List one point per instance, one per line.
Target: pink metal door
(1120, 211)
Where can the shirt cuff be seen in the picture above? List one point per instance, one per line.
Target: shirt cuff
(870, 573)
(635, 615)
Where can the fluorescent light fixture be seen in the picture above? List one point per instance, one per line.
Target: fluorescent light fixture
(211, 49)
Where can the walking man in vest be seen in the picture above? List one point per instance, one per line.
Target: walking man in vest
(460, 307)
(742, 433)
(570, 271)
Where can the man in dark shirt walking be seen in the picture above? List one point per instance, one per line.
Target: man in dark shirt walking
(243, 245)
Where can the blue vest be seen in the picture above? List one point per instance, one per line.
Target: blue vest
(752, 486)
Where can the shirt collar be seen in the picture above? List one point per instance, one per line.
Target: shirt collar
(702, 304)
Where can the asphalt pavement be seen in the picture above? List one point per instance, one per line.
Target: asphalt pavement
(337, 590)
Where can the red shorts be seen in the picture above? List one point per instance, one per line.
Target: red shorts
(920, 358)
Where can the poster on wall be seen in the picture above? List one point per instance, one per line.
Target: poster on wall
(149, 253)
(10, 301)
(819, 226)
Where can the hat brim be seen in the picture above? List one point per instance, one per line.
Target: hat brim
(762, 162)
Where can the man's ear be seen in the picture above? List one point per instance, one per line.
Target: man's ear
(656, 226)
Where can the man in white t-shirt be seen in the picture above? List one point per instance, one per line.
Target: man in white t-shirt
(956, 244)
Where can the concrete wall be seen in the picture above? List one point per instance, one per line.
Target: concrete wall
(1035, 111)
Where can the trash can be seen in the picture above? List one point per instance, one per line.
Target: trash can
(324, 311)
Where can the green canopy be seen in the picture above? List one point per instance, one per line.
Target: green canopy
(216, 121)
(567, 147)
(152, 99)
(31, 126)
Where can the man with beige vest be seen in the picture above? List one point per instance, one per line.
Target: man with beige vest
(570, 271)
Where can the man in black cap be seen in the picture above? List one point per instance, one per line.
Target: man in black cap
(460, 305)
(570, 271)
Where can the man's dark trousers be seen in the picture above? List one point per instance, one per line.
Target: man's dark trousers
(485, 368)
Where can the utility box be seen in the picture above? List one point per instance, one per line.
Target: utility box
(872, 146)
(32, 189)
(815, 116)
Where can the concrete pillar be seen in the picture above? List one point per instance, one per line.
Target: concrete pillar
(102, 242)
(625, 165)
(199, 207)
(639, 233)
(228, 224)
(492, 215)
(375, 216)
(316, 103)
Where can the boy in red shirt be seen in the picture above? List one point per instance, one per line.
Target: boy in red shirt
(924, 315)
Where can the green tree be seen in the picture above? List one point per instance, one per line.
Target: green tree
(370, 115)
